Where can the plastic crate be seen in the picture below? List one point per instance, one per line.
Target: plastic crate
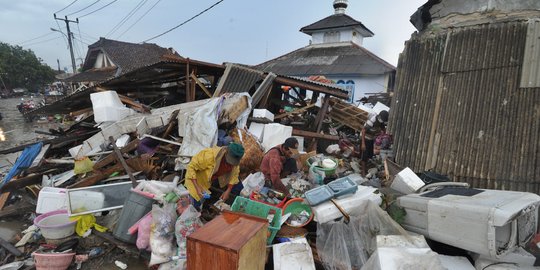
(279, 205)
(262, 210)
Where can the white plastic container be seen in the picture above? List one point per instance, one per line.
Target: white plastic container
(491, 223)
(327, 211)
(55, 224)
(263, 113)
(407, 182)
(51, 199)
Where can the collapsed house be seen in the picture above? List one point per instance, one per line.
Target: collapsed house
(467, 97)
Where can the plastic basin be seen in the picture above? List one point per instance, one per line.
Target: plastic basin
(295, 207)
(327, 171)
(52, 261)
(55, 224)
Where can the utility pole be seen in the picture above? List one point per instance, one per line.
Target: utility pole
(69, 36)
(58, 61)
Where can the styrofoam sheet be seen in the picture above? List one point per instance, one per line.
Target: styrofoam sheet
(257, 129)
(327, 211)
(275, 134)
(293, 255)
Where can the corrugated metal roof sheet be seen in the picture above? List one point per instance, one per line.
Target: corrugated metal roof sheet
(530, 75)
(458, 108)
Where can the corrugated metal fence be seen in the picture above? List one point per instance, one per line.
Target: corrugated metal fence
(459, 109)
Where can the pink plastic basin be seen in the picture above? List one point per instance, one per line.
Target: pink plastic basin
(55, 224)
(52, 261)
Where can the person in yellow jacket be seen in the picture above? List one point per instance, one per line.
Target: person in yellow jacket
(214, 163)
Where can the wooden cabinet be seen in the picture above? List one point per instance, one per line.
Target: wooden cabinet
(230, 241)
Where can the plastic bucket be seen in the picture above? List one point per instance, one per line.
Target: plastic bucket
(52, 261)
(327, 171)
(55, 224)
(295, 207)
(135, 207)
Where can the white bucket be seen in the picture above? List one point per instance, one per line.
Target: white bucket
(55, 224)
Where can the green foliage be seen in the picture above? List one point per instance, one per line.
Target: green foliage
(21, 68)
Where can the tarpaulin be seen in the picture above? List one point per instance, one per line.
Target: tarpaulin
(23, 162)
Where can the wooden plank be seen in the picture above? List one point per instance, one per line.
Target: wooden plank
(19, 208)
(312, 86)
(96, 177)
(196, 80)
(10, 248)
(310, 134)
(111, 157)
(299, 110)
(120, 158)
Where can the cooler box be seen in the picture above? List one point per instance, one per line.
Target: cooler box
(487, 222)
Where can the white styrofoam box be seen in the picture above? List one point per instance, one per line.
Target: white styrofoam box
(380, 107)
(327, 211)
(275, 134)
(111, 114)
(403, 258)
(455, 262)
(105, 99)
(73, 151)
(293, 255)
(417, 241)
(51, 199)
(122, 141)
(407, 182)
(491, 223)
(300, 143)
(257, 129)
(263, 113)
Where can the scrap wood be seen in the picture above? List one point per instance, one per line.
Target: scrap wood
(111, 157)
(310, 134)
(173, 121)
(3, 199)
(21, 207)
(70, 138)
(9, 247)
(120, 158)
(200, 84)
(348, 114)
(295, 111)
(96, 177)
(80, 112)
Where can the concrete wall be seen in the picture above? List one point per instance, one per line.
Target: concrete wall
(364, 84)
(447, 7)
(345, 35)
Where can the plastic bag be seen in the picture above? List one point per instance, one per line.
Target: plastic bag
(162, 233)
(85, 223)
(316, 176)
(253, 182)
(83, 165)
(186, 224)
(143, 233)
(348, 246)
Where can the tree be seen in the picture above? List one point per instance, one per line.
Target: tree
(21, 68)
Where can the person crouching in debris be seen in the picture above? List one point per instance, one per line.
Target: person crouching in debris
(279, 162)
(213, 164)
(372, 128)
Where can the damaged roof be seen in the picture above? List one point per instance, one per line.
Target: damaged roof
(342, 58)
(334, 22)
(125, 57)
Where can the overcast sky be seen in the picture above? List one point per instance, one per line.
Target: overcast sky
(241, 31)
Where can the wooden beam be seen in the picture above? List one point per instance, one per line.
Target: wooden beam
(316, 87)
(295, 111)
(200, 85)
(96, 177)
(310, 134)
(120, 158)
(111, 157)
(10, 248)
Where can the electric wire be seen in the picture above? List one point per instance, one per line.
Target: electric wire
(119, 24)
(39, 42)
(82, 46)
(32, 39)
(92, 12)
(83, 8)
(139, 19)
(186, 21)
(67, 6)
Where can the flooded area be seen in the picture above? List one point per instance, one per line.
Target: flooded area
(14, 130)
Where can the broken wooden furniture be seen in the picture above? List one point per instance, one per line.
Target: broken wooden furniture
(230, 241)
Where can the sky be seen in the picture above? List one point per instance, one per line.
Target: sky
(241, 31)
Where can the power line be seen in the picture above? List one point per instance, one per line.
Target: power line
(92, 12)
(139, 19)
(38, 37)
(60, 28)
(124, 20)
(188, 20)
(39, 42)
(83, 8)
(82, 46)
(67, 6)
(80, 39)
